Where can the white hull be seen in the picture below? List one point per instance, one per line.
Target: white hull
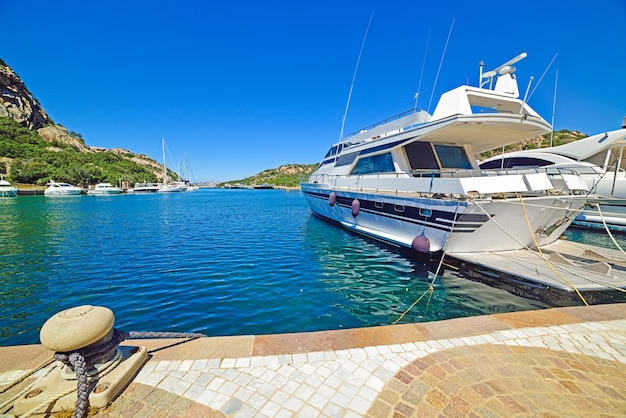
(6, 189)
(103, 192)
(104, 189)
(412, 180)
(61, 189)
(62, 193)
(450, 225)
(8, 192)
(171, 188)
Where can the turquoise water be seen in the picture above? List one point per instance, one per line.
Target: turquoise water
(220, 262)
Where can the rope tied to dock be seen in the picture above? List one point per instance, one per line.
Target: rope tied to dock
(84, 360)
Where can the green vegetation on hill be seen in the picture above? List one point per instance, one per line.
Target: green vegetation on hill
(27, 159)
(288, 175)
(558, 138)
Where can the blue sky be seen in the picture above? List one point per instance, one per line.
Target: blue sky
(242, 86)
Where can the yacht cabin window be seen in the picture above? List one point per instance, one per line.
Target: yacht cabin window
(515, 162)
(452, 156)
(421, 156)
(382, 163)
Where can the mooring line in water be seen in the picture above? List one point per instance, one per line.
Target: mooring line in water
(606, 227)
(431, 287)
(543, 257)
(540, 255)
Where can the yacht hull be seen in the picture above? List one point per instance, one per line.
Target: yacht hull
(447, 224)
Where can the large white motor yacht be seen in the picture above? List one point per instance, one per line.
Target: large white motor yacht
(413, 181)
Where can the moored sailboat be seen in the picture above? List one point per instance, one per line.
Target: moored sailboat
(169, 186)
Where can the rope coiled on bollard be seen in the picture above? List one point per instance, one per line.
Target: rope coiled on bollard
(84, 359)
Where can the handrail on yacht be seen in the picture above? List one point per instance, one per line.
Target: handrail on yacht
(382, 122)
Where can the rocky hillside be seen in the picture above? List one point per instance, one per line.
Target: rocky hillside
(558, 138)
(17, 102)
(288, 175)
(29, 140)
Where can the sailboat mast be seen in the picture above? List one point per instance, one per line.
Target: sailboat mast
(164, 166)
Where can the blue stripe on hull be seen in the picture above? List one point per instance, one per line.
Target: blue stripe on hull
(438, 219)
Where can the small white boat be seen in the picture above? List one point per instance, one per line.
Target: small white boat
(61, 189)
(145, 188)
(171, 187)
(104, 189)
(7, 189)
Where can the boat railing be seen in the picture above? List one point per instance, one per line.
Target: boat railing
(561, 180)
(381, 123)
(453, 173)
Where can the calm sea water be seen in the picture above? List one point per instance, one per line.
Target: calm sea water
(220, 262)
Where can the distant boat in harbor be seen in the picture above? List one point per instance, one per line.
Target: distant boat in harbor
(169, 186)
(144, 188)
(7, 189)
(264, 186)
(61, 189)
(104, 189)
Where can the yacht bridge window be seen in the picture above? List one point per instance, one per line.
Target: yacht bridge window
(428, 156)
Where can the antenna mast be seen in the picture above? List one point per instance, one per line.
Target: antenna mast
(542, 75)
(554, 106)
(419, 86)
(345, 113)
(440, 63)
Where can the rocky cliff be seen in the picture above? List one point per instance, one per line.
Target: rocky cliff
(17, 102)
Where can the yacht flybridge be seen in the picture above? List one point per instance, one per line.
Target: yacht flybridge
(412, 180)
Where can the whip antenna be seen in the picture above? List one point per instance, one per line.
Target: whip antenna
(345, 113)
(440, 63)
(419, 86)
(544, 73)
(554, 106)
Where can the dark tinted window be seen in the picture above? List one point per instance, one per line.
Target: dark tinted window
(515, 162)
(452, 157)
(382, 163)
(421, 156)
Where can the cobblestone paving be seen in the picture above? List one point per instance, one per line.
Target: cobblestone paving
(542, 371)
(574, 369)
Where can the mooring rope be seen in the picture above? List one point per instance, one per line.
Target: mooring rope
(543, 257)
(84, 359)
(606, 227)
(431, 287)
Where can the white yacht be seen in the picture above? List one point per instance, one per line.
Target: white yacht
(7, 189)
(412, 181)
(599, 159)
(61, 189)
(145, 188)
(104, 189)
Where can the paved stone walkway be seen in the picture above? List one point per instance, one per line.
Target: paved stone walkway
(574, 368)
